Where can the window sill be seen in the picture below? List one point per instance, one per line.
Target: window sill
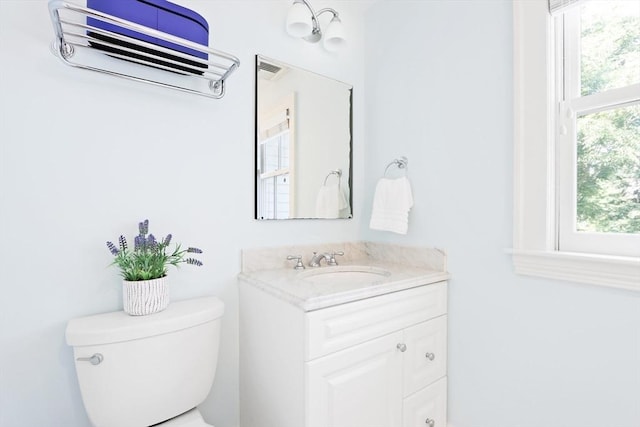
(602, 270)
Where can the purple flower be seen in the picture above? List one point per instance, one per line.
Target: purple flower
(150, 256)
(144, 227)
(123, 243)
(112, 248)
(139, 243)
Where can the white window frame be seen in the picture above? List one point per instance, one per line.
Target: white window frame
(276, 116)
(535, 250)
(572, 105)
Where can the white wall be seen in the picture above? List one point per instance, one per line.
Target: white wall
(85, 156)
(523, 352)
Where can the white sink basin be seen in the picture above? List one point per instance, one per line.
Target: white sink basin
(344, 274)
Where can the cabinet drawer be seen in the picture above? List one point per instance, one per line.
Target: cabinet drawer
(335, 328)
(426, 357)
(427, 407)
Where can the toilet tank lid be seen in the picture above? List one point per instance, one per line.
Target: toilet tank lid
(118, 326)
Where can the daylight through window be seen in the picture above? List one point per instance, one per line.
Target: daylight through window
(598, 132)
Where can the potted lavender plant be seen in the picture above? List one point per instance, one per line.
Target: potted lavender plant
(144, 269)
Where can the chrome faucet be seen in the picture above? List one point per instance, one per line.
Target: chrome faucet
(316, 258)
(329, 257)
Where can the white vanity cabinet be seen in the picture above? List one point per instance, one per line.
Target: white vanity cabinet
(376, 362)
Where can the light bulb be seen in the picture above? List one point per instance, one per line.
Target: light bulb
(334, 37)
(299, 20)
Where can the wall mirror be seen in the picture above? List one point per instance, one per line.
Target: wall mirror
(303, 143)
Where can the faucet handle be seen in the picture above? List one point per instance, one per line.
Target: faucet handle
(299, 265)
(332, 257)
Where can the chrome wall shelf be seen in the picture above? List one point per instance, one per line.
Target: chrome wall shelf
(84, 46)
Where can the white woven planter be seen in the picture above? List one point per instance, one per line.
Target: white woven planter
(145, 296)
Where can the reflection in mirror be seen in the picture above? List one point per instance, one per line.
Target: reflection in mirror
(303, 143)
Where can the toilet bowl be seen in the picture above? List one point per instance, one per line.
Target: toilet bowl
(140, 371)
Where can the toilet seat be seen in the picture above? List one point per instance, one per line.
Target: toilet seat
(191, 418)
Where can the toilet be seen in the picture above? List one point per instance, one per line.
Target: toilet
(139, 371)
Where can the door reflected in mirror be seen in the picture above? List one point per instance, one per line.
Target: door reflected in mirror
(303, 143)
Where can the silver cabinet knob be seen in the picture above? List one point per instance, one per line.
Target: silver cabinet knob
(430, 356)
(96, 359)
(430, 422)
(402, 347)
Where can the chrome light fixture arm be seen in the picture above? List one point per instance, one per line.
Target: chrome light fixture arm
(316, 33)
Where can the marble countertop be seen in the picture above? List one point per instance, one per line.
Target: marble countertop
(300, 287)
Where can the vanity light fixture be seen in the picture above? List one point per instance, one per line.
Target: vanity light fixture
(303, 22)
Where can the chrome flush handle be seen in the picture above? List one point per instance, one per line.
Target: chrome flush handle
(96, 359)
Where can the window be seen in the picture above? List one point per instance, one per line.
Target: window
(598, 127)
(275, 163)
(576, 156)
(273, 172)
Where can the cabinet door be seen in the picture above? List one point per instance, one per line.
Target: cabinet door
(426, 355)
(427, 407)
(357, 387)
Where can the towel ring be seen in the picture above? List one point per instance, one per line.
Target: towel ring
(401, 163)
(337, 172)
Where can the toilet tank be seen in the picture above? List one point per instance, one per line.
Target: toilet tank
(152, 367)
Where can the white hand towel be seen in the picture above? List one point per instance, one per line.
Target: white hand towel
(330, 201)
(391, 204)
